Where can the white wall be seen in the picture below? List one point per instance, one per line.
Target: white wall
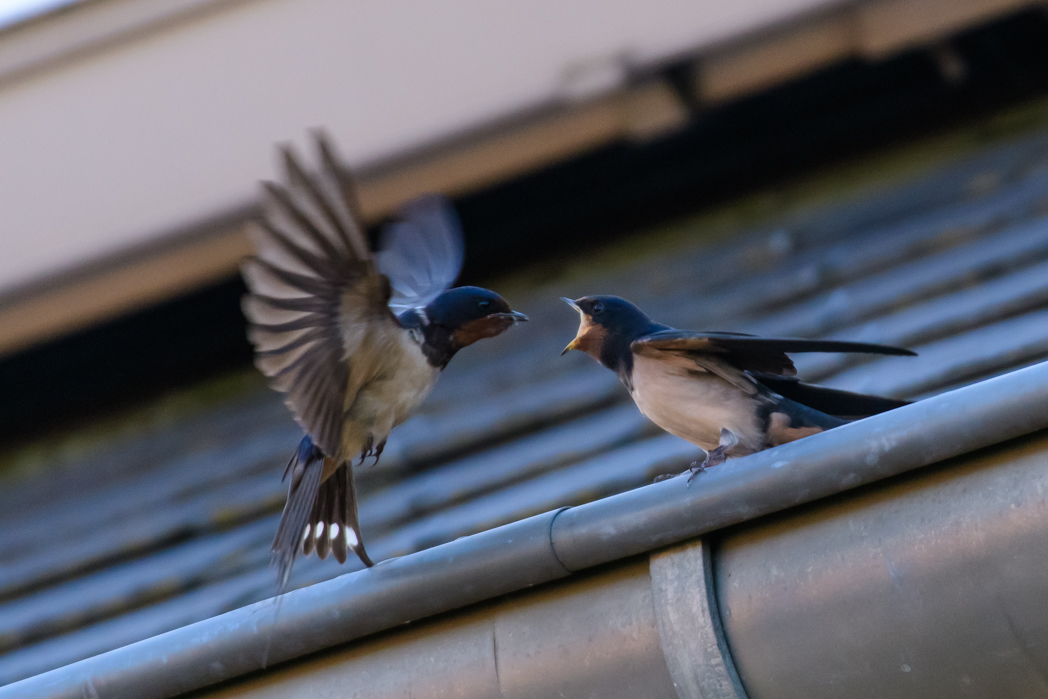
(171, 126)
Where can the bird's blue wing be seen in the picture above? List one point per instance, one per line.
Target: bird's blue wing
(422, 252)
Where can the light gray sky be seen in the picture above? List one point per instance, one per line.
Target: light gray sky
(12, 11)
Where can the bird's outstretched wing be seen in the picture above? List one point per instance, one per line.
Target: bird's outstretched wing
(316, 294)
(422, 252)
(316, 299)
(747, 352)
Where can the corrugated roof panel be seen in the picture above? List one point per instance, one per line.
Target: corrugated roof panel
(171, 524)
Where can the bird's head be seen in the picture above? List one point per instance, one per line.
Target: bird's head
(470, 313)
(607, 326)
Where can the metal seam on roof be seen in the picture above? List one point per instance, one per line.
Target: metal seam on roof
(548, 546)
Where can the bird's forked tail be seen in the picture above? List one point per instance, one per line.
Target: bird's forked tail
(305, 468)
(319, 516)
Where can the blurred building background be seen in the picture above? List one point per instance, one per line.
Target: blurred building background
(868, 169)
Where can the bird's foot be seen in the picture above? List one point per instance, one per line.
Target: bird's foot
(378, 451)
(714, 457)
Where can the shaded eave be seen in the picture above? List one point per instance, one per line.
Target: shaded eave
(557, 544)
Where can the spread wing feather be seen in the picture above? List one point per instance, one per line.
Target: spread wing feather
(747, 352)
(422, 253)
(319, 317)
(315, 293)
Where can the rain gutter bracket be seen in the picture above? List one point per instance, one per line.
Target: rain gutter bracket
(690, 628)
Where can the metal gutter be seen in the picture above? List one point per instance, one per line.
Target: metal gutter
(552, 545)
(590, 635)
(930, 585)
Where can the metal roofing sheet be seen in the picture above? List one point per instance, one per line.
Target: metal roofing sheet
(169, 522)
(563, 541)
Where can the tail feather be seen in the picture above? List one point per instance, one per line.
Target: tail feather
(338, 512)
(305, 467)
(842, 404)
(351, 521)
(338, 542)
(334, 525)
(320, 516)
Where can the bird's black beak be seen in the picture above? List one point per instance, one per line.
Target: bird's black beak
(574, 343)
(517, 316)
(571, 303)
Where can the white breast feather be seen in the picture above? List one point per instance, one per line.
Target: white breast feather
(394, 392)
(418, 375)
(695, 406)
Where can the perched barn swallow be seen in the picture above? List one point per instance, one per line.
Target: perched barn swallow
(731, 394)
(355, 340)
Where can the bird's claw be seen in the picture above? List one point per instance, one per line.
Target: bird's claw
(697, 468)
(714, 457)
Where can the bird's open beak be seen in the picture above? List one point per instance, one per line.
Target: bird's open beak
(571, 303)
(574, 343)
(571, 345)
(517, 316)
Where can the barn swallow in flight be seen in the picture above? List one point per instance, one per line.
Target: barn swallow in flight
(731, 394)
(354, 339)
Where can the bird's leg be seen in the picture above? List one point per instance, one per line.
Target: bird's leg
(715, 457)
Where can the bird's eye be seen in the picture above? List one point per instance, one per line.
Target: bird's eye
(598, 308)
(484, 305)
